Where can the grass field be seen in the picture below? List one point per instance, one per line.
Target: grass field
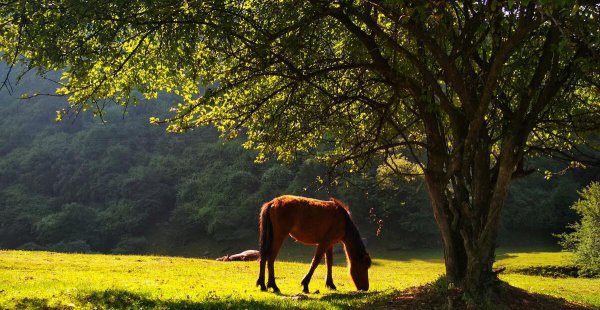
(63, 281)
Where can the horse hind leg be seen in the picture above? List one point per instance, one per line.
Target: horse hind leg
(261, 275)
(275, 247)
(321, 248)
(329, 261)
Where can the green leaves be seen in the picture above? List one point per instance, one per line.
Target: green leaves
(585, 239)
(344, 83)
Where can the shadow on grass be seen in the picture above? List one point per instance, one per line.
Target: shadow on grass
(569, 271)
(436, 295)
(122, 299)
(430, 296)
(32, 303)
(345, 297)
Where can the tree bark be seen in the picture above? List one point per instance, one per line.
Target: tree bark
(467, 211)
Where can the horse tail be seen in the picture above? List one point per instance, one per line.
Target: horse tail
(266, 230)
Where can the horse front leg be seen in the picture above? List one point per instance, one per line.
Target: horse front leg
(329, 261)
(321, 248)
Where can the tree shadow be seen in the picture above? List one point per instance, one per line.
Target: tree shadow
(437, 295)
(342, 297)
(122, 299)
(569, 271)
(32, 303)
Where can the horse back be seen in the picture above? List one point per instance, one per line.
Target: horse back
(308, 220)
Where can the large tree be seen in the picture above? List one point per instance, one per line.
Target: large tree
(465, 91)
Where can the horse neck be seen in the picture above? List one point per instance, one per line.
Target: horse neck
(353, 243)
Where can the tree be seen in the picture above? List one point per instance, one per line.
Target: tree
(464, 91)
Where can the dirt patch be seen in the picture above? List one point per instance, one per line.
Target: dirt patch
(433, 296)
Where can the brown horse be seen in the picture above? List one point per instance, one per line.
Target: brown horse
(311, 221)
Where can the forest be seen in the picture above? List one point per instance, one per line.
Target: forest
(120, 185)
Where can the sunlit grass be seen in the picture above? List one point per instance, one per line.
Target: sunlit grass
(583, 290)
(42, 279)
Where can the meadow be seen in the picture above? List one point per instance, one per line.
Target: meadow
(37, 280)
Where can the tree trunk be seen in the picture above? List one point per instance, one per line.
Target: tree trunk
(468, 224)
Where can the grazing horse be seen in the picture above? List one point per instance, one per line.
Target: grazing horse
(316, 222)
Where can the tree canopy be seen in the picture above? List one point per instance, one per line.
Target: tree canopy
(356, 76)
(466, 91)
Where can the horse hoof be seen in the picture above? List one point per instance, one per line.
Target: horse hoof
(274, 287)
(331, 286)
(305, 290)
(262, 285)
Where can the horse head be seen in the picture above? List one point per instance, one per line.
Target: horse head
(359, 271)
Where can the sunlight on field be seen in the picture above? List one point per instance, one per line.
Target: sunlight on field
(43, 279)
(575, 289)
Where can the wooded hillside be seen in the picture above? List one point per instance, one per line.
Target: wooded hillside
(84, 185)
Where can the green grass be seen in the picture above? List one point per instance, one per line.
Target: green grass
(52, 280)
(582, 290)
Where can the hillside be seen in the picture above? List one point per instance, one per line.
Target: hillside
(120, 185)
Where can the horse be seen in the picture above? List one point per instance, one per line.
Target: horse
(312, 222)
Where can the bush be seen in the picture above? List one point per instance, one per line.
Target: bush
(73, 222)
(585, 239)
(132, 245)
(77, 246)
(31, 246)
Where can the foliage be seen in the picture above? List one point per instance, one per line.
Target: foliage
(116, 185)
(119, 184)
(585, 239)
(134, 245)
(538, 204)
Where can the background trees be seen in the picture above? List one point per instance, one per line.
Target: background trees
(131, 189)
(132, 182)
(85, 185)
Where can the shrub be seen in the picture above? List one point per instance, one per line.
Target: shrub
(585, 239)
(131, 245)
(77, 246)
(31, 246)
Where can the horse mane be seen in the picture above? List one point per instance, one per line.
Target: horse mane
(355, 248)
(341, 204)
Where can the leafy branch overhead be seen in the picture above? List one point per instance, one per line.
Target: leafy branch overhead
(367, 77)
